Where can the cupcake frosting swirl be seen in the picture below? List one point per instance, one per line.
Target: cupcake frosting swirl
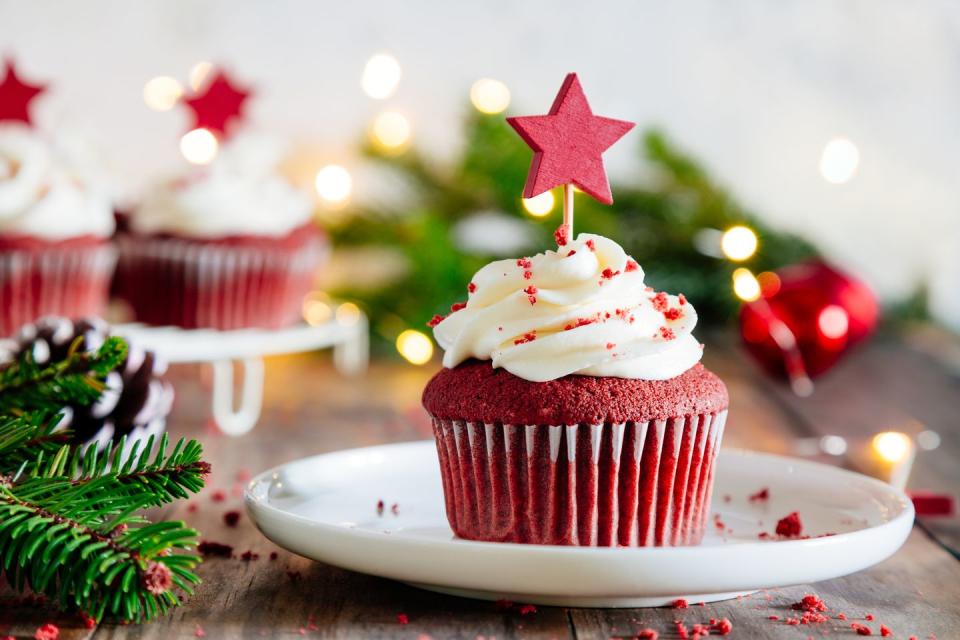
(240, 193)
(583, 309)
(44, 194)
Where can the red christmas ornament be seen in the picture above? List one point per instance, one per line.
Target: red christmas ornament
(568, 144)
(218, 106)
(808, 317)
(16, 95)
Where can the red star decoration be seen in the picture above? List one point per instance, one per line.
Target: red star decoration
(568, 144)
(218, 106)
(15, 96)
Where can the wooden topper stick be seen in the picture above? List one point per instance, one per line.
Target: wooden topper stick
(568, 209)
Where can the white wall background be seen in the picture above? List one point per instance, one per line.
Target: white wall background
(755, 88)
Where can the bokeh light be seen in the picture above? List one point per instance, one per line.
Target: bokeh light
(199, 73)
(833, 322)
(316, 308)
(391, 131)
(348, 314)
(540, 205)
(199, 146)
(415, 346)
(381, 76)
(334, 184)
(738, 243)
(745, 285)
(162, 93)
(839, 161)
(892, 446)
(490, 96)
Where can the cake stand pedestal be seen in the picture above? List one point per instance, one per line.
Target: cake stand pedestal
(246, 348)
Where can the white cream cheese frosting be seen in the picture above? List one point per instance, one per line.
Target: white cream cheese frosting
(44, 194)
(240, 193)
(582, 309)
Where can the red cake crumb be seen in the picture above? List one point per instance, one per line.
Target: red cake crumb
(681, 630)
(48, 631)
(682, 299)
(790, 525)
(274, 555)
(718, 522)
(667, 333)
(248, 556)
(572, 252)
(793, 622)
(525, 338)
(457, 306)
(435, 320)
(631, 266)
(868, 617)
(379, 507)
(532, 299)
(647, 634)
(885, 631)
(403, 618)
(471, 287)
(527, 275)
(231, 518)
(590, 245)
(680, 603)
(530, 291)
(773, 617)
(562, 235)
(861, 629)
(660, 302)
(218, 496)
(810, 602)
(214, 549)
(503, 605)
(157, 578)
(763, 535)
(608, 273)
(723, 626)
(527, 609)
(199, 632)
(524, 263)
(841, 616)
(760, 496)
(673, 314)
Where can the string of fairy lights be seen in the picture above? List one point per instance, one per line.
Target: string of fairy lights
(392, 132)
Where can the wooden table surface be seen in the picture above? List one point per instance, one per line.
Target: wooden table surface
(310, 409)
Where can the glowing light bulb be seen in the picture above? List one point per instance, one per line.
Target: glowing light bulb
(162, 93)
(415, 346)
(199, 146)
(745, 285)
(199, 73)
(540, 205)
(833, 322)
(738, 243)
(839, 161)
(334, 184)
(892, 446)
(381, 76)
(348, 314)
(490, 96)
(391, 131)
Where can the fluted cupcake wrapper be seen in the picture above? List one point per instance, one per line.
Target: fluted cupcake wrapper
(169, 281)
(65, 281)
(629, 484)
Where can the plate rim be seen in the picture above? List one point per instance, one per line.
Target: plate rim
(906, 513)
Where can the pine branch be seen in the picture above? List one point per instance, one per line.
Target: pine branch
(25, 437)
(26, 386)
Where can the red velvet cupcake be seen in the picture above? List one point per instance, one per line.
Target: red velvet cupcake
(572, 408)
(230, 246)
(55, 224)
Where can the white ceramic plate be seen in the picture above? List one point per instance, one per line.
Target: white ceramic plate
(324, 508)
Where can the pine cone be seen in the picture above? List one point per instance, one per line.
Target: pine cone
(137, 399)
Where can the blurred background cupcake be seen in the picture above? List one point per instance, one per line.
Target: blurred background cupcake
(56, 219)
(227, 246)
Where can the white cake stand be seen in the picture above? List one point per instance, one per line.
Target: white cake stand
(247, 348)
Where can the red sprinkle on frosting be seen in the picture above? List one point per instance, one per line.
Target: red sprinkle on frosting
(673, 314)
(683, 299)
(471, 287)
(667, 333)
(524, 263)
(435, 320)
(590, 245)
(530, 291)
(456, 306)
(527, 275)
(525, 338)
(572, 252)
(609, 273)
(562, 235)
(631, 266)
(660, 302)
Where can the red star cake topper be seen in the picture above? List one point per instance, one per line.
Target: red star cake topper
(220, 104)
(16, 95)
(568, 143)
